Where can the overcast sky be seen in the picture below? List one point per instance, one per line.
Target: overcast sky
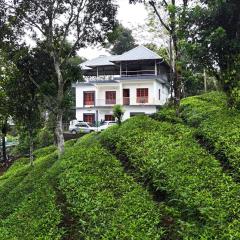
(129, 15)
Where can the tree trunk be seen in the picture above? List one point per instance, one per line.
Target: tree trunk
(60, 96)
(177, 84)
(4, 133)
(59, 134)
(4, 154)
(31, 148)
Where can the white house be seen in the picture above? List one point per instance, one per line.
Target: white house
(137, 79)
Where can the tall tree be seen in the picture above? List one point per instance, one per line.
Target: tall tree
(55, 21)
(24, 97)
(169, 14)
(122, 40)
(6, 72)
(214, 41)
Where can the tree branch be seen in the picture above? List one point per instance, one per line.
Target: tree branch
(152, 3)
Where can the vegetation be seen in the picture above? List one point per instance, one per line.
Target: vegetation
(217, 127)
(205, 199)
(85, 22)
(121, 40)
(87, 194)
(118, 113)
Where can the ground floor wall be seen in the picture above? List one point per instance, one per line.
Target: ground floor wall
(101, 114)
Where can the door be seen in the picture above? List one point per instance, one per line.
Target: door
(126, 96)
(89, 118)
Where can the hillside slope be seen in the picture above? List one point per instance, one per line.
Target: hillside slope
(218, 128)
(85, 195)
(170, 178)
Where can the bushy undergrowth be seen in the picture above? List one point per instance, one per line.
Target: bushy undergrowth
(217, 126)
(28, 201)
(105, 202)
(85, 195)
(167, 154)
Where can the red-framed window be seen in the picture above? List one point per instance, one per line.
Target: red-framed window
(110, 97)
(109, 118)
(89, 118)
(89, 98)
(142, 95)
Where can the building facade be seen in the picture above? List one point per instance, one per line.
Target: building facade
(137, 79)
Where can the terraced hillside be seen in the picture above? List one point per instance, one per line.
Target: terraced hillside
(169, 178)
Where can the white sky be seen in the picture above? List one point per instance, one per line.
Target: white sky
(130, 15)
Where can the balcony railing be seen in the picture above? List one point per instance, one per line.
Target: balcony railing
(138, 73)
(89, 102)
(126, 101)
(111, 101)
(142, 99)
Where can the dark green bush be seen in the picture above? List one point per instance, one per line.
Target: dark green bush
(218, 127)
(168, 155)
(105, 202)
(85, 195)
(44, 138)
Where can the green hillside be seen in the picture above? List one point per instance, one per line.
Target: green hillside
(162, 178)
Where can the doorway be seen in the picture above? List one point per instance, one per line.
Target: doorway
(126, 96)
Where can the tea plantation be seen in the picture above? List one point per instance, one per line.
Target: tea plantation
(162, 178)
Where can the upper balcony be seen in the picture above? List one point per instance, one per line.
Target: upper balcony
(125, 101)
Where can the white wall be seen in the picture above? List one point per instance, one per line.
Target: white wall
(101, 93)
(132, 86)
(100, 90)
(79, 93)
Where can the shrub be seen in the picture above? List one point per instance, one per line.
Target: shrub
(105, 202)
(167, 155)
(118, 113)
(86, 195)
(218, 127)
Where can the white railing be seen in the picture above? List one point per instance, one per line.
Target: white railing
(141, 101)
(138, 73)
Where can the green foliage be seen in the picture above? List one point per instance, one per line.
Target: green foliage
(109, 204)
(167, 114)
(166, 154)
(44, 138)
(118, 113)
(216, 125)
(122, 40)
(87, 188)
(214, 43)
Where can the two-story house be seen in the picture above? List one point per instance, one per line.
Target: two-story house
(137, 79)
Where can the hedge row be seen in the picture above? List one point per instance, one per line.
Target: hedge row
(168, 156)
(217, 127)
(104, 202)
(85, 195)
(28, 203)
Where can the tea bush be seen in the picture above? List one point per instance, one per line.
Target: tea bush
(168, 155)
(217, 127)
(85, 195)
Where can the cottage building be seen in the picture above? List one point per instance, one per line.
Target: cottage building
(137, 79)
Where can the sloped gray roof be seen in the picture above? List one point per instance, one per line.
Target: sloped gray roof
(137, 53)
(99, 61)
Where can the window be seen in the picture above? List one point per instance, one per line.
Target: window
(89, 118)
(159, 94)
(142, 95)
(89, 98)
(111, 97)
(81, 125)
(109, 118)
